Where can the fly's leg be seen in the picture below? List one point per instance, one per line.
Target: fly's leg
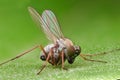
(63, 59)
(50, 55)
(20, 55)
(97, 54)
(91, 59)
(54, 49)
(62, 56)
(44, 65)
(45, 54)
(53, 58)
(101, 53)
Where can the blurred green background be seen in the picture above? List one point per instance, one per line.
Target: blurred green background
(92, 24)
(82, 21)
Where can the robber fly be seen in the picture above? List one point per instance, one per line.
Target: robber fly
(61, 49)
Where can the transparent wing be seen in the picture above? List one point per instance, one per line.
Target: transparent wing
(42, 23)
(52, 23)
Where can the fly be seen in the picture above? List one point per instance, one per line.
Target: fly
(61, 49)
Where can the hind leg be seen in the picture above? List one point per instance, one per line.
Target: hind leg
(45, 63)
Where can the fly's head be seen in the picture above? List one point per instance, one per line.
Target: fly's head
(76, 52)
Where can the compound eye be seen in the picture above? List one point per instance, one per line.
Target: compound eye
(77, 50)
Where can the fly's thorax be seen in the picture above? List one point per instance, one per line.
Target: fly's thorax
(65, 43)
(68, 42)
(69, 46)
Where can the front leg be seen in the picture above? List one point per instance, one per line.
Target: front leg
(63, 58)
(91, 59)
(102, 53)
